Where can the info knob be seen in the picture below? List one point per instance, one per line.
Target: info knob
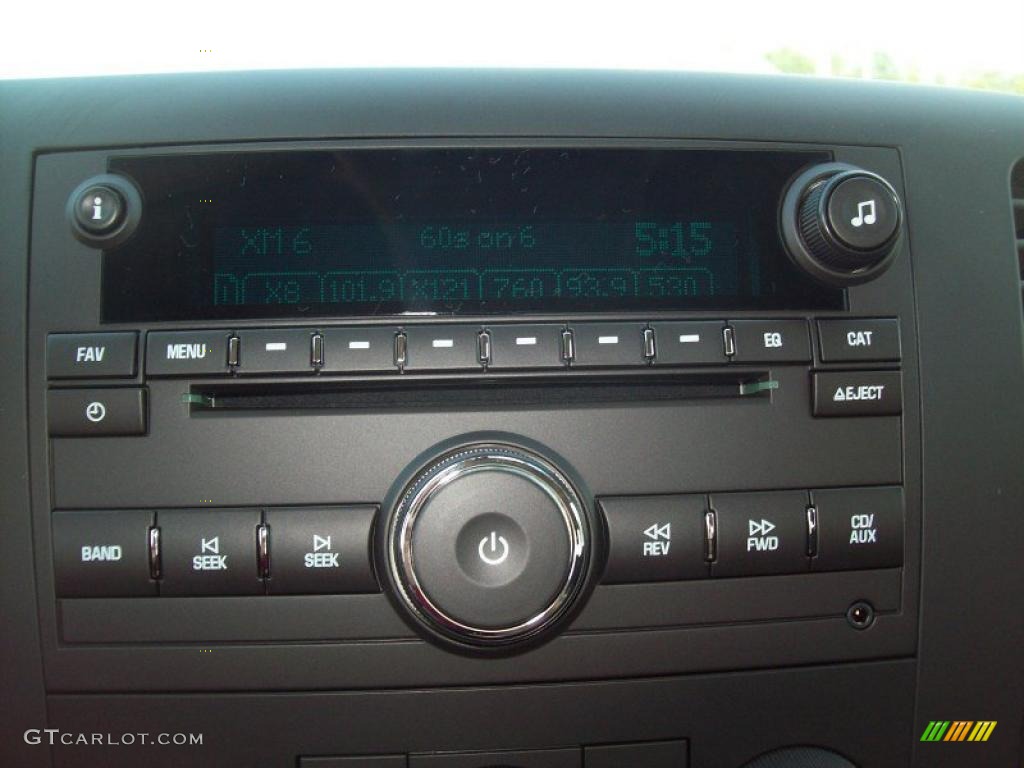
(841, 224)
(488, 546)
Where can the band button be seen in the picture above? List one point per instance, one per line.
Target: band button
(102, 554)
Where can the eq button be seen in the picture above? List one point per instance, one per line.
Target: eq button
(771, 341)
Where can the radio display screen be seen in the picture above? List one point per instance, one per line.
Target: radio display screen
(448, 231)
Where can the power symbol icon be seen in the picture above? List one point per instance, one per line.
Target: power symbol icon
(493, 549)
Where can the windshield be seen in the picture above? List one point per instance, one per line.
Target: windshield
(978, 45)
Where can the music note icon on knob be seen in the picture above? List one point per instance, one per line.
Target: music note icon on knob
(865, 214)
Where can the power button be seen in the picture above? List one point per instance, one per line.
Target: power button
(488, 546)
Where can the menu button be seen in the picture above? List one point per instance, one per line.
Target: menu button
(186, 353)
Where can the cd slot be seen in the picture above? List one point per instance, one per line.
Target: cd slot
(460, 393)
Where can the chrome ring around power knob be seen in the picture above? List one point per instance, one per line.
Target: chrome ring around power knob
(841, 224)
(489, 547)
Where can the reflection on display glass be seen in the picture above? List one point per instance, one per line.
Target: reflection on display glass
(366, 232)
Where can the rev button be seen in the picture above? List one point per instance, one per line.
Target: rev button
(858, 393)
(654, 538)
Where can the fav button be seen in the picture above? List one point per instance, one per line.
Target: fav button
(858, 528)
(209, 552)
(90, 355)
(760, 533)
(187, 353)
(102, 554)
(858, 393)
(96, 412)
(845, 340)
(771, 341)
(321, 550)
(654, 538)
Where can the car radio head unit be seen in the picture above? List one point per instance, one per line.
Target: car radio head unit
(456, 231)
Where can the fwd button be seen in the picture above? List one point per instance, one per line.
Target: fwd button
(760, 533)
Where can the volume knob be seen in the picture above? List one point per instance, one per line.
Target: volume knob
(488, 547)
(842, 224)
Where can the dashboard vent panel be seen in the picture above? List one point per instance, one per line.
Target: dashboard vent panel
(1017, 194)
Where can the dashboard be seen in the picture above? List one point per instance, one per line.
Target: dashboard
(528, 419)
